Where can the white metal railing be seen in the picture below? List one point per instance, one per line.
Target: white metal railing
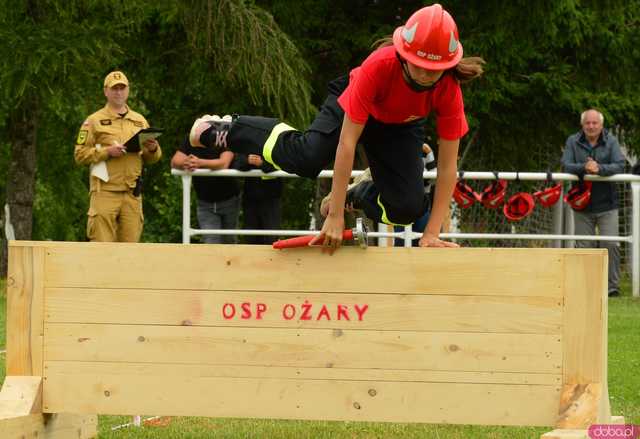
(633, 239)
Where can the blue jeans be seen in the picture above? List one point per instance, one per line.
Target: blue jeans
(606, 224)
(219, 215)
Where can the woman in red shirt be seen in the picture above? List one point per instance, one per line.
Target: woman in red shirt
(382, 105)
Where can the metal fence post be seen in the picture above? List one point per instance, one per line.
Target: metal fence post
(635, 243)
(186, 209)
(558, 216)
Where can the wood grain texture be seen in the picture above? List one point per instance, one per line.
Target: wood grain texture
(303, 399)
(25, 313)
(304, 348)
(416, 312)
(511, 272)
(50, 426)
(465, 336)
(585, 395)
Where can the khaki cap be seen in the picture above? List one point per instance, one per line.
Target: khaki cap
(115, 78)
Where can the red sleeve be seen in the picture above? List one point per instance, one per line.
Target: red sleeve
(451, 121)
(357, 99)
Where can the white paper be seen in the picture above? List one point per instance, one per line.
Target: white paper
(100, 169)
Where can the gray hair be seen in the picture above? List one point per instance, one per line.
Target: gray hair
(584, 114)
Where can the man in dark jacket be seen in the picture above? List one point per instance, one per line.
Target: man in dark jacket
(593, 150)
(218, 197)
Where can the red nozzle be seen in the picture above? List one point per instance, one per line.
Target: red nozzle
(303, 241)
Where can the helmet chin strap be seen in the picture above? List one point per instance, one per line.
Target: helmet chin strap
(412, 83)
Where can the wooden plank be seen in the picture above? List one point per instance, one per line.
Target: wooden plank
(585, 391)
(169, 371)
(415, 312)
(56, 426)
(303, 399)
(25, 301)
(536, 272)
(584, 318)
(20, 395)
(304, 347)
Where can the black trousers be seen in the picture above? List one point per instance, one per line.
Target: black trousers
(261, 215)
(394, 151)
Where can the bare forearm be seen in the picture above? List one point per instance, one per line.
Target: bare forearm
(447, 169)
(341, 173)
(444, 189)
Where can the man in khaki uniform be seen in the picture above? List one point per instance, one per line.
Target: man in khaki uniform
(115, 209)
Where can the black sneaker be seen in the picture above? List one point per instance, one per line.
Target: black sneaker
(614, 293)
(349, 205)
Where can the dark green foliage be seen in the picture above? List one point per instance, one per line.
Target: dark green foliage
(58, 52)
(546, 62)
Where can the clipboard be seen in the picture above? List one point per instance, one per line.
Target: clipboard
(134, 144)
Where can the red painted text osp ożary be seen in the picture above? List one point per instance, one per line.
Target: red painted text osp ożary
(290, 311)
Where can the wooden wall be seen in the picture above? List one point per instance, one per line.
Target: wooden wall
(473, 336)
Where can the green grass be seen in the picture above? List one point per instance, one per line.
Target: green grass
(624, 387)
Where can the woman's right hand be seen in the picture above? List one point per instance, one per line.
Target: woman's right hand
(331, 234)
(333, 228)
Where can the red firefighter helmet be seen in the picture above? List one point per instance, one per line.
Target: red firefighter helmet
(579, 195)
(519, 206)
(429, 39)
(463, 194)
(493, 195)
(549, 195)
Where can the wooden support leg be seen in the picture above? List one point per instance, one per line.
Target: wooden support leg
(54, 426)
(20, 395)
(21, 414)
(579, 405)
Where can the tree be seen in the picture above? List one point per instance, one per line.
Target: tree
(64, 49)
(44, 42)
(546, 62)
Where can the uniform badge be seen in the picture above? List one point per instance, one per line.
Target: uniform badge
(137, 123)
(105, 122)
(82, 137)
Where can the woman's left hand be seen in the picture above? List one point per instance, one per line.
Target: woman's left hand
(429, 240)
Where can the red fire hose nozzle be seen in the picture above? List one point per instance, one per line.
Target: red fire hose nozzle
(358, 233)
